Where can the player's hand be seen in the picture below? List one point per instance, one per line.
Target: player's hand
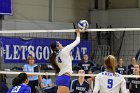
(77, 30)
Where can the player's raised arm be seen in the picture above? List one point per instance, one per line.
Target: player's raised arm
(75, 43)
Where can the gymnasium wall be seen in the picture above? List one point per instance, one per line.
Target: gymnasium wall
(64, 10)
(119, 4)
(118, 18)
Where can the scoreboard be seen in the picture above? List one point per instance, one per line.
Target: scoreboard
(6, 7)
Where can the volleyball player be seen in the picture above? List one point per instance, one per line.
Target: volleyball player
(121, 69)
(79, 85)
(61, 60)
(20, 84)
(134, 83)
(109, 81)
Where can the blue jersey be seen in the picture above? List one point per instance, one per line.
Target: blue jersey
(22, 88)
(76, 87)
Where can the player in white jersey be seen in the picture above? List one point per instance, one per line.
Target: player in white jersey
(61, 60)
(109, 81)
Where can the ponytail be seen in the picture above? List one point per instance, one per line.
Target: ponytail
(52, 58)
(110, 62)
(113, 64)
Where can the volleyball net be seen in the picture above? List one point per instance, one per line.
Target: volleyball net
(17, 45)
(53, 74)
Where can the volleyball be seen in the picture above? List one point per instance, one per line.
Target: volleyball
(83, 24)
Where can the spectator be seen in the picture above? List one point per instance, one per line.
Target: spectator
(121, 69)
(47, 85)
(87, 66)
(20, 84)
(131, 66)
(134, 83)
(32, 67)
(79, 85)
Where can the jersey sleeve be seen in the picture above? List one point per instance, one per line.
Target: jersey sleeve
(97, 85)
(69, 47)
(25, 68)
(51, 81)
(123, 86)
(27, 90)
(72, 86)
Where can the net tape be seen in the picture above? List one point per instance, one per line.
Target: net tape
(68, 30)
(53, 74)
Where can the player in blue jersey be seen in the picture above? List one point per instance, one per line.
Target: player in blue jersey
(109, 81)
(61, 60)
(20, 84)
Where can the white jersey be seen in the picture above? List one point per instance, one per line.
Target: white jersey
(64, 58)
(107, 82)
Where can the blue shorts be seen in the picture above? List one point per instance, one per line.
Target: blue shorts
(63, 80)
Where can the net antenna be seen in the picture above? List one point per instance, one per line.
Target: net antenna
(74, 26)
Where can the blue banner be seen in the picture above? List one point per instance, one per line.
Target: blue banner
(16, 50)
(6, 7)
